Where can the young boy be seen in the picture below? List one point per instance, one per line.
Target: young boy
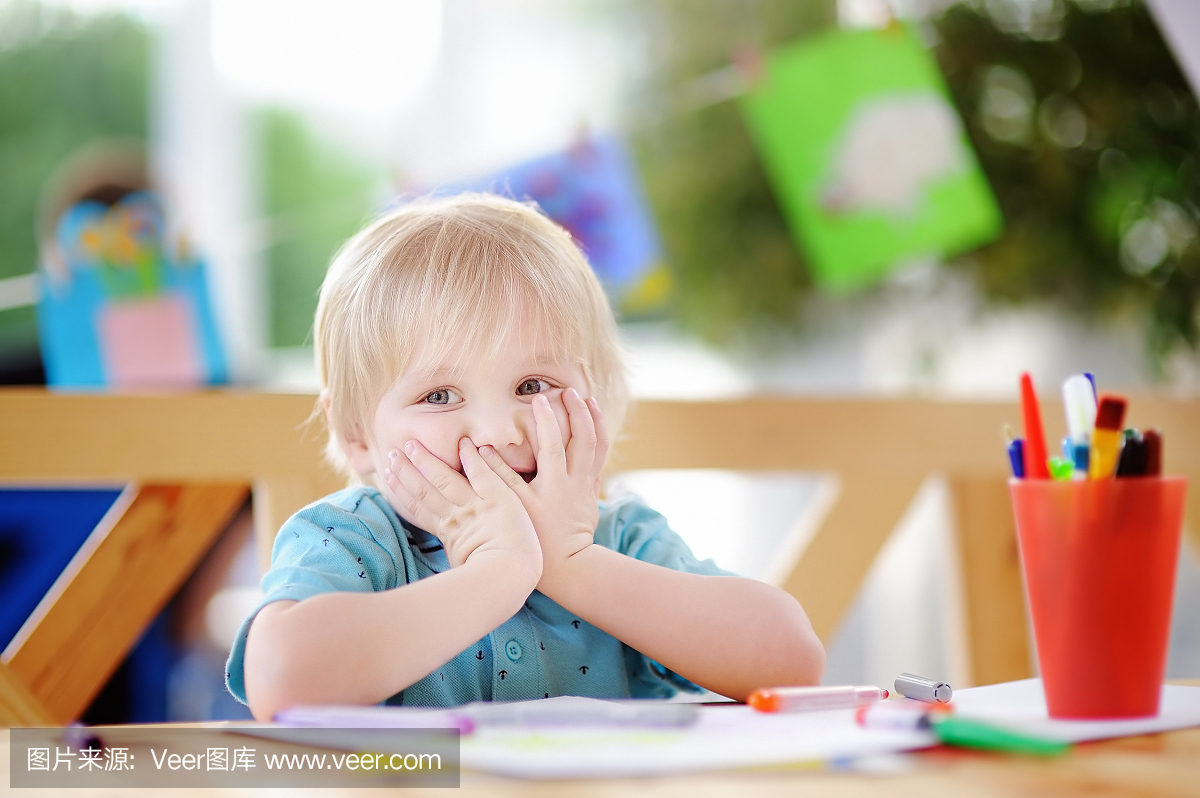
(469, 361)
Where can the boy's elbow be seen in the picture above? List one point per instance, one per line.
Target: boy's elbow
(804, 652)
(272, 688)
(271, 668)
(810, 658)
(268, 691)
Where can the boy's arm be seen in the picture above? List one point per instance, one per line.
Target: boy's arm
(361, 648)
(728, 634)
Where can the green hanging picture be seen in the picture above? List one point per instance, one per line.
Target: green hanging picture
(867, 155)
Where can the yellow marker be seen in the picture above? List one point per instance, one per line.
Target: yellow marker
(1107, 438)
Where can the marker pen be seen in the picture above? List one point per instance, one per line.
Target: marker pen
(1107, 437)
(1016, 456)
(910, 685)
(950, 729)
(1035, 438)
(813, 699)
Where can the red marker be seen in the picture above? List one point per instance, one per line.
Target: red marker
(813, 699)
(1153, 440)
(1035, 438)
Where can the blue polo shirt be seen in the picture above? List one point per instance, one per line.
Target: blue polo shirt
(354, 541)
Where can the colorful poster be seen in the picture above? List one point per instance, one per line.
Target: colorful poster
(593, 190)
(117, 310)
(867, 155)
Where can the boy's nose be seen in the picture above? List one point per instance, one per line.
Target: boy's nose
(498, 430)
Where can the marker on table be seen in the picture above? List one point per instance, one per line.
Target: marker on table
(910, 685)
(813, 699)
(951, 729)
(558, 711)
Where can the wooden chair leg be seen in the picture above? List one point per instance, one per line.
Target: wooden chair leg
(277, 498)
(997, 635)
(18, 705)
(831, 568)
(97, 616)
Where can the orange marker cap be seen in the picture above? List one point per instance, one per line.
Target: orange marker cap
(764, 700)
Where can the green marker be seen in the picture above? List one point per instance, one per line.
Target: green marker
(967, 733)
(951, 729)
(1060, 468)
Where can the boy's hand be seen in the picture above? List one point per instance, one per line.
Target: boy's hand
(562, 498)
(474, 515)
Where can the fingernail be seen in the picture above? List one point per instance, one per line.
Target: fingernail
(541, 398)
(486, 451)
(388, 475)
(392, 455)
(410, 447)
(574, 394)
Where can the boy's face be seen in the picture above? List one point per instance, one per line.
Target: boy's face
(444, 397)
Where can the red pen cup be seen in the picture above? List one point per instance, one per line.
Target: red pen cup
(1099, 561)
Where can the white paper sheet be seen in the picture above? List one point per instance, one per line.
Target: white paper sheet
(731, 737)
(1021, 706)
(723, 738)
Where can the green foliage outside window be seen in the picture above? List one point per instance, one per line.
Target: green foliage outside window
(735, 267)
(315, 196)
(65, 81)
(1090, 139)
(1088, 133)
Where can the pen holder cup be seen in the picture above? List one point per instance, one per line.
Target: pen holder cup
(1099, 562)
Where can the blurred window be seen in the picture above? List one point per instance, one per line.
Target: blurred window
(65, 80)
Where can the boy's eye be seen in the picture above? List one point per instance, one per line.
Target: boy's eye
(442, 396)
(532, 386)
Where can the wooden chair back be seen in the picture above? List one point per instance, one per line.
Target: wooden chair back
(191, 460)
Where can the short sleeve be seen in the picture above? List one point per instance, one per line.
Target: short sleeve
(630, 527)
(345, 542)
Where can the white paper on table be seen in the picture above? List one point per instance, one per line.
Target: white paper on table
(722, 738)
(730, 737)
(1021, 706)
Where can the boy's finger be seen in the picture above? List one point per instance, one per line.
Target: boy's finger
(448, 482)
(581, 449)
(414, 509)
(482, 477)
(405, 473)
(502, 469)
(551, 450)
(601, 437)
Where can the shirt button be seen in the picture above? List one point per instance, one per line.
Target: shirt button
(512, 650)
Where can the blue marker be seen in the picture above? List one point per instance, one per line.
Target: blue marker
(1092, 379)
(1016, 456)
(1077, 455)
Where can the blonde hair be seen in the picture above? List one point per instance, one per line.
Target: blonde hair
(444, 272)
